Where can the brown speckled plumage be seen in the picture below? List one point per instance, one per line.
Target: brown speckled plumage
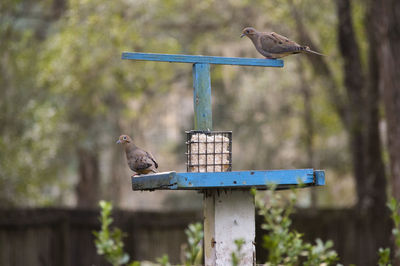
(272, 45)
(139, 161)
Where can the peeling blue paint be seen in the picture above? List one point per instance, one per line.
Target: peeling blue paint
(283, 179)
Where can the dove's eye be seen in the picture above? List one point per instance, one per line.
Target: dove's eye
(124, 137)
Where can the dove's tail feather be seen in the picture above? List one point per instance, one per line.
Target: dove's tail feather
(308, 50)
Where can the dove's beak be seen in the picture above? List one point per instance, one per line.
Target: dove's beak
(118, 142)
(241, 36)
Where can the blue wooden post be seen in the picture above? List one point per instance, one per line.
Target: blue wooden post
(202, 97)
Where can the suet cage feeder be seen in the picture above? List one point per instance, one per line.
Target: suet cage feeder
(208, 151)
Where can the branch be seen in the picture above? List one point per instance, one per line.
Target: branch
(321, 68)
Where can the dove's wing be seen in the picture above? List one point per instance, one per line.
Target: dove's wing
(143, 161)
(275, 43)
(284, 39)
(152, 158)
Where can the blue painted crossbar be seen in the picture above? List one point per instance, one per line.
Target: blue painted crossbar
(283, 179)
(204, 59)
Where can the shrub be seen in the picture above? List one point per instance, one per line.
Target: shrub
(285, 245)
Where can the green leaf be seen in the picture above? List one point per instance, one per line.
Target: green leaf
(109, 242)
(285, 246)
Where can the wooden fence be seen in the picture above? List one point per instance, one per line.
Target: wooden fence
(63, 237)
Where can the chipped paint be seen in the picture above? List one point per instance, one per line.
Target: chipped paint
(284, 179)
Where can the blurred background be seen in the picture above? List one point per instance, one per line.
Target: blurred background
(66, 96)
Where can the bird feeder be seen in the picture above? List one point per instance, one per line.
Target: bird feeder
(228, 205)
(209, 151)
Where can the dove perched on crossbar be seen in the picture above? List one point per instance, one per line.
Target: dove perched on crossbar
(140, 161)
(273, 46)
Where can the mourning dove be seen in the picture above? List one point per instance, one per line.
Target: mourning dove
(272, 45)
(140, 161)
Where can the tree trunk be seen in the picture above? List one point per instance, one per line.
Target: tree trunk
(387, 33)
(365, 142)
(374, 163)
(322, 70)
(354, 82)
(358, 110)
(360, 116)
(89, 179)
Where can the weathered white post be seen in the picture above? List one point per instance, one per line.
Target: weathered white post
(228, 216)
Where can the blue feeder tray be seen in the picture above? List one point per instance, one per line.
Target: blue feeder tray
(283, 179)
(262, 180)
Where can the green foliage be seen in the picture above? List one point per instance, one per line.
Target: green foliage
(194, 251)
(384, 253)
(164, 260)
(28, 140)
(384, 257)
(319, 253)
(109, 242)
(237, 255)
(394, 207)
(82, 69)
(65, 87)
(286, 246)
(110, 245)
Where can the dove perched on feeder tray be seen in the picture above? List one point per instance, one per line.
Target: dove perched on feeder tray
(140, 161)
(273, 46)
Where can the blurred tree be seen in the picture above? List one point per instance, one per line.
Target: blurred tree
(363, 95)
(363, 115)
(92, 93)
(385, 34)
(82, 68)
(29, 160)
(358, 108)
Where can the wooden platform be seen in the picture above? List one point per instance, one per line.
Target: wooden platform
(283, 179)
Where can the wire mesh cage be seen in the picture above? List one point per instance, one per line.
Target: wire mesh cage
(209, 151)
